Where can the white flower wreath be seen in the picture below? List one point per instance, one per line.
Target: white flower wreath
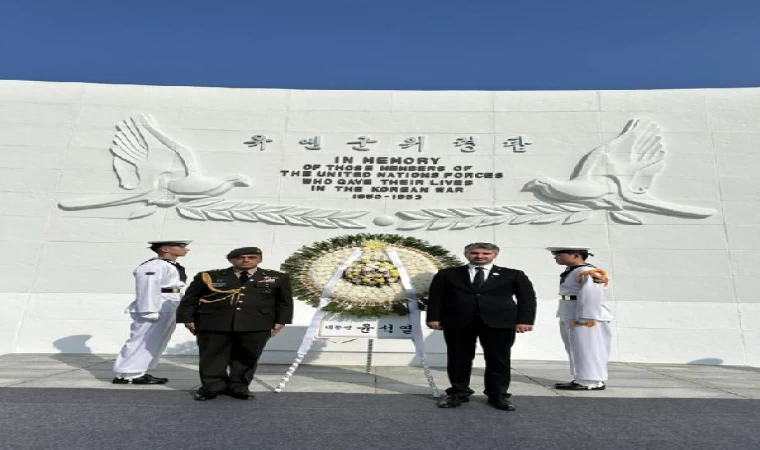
(371, 285)
(420, 267)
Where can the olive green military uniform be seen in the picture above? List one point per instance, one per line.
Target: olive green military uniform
(233, 322)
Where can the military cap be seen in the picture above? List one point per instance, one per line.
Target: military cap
(243, 251)
(570, 249)
(172, 243)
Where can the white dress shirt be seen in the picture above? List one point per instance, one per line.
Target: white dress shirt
(473, 271)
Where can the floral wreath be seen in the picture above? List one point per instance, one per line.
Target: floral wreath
(371, 285)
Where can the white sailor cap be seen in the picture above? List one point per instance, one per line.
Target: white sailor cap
(570, 249)
(168, 243)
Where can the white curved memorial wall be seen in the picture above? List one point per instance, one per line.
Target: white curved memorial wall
(663, 185)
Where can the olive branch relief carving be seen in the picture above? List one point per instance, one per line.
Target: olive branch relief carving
(463, 218)
(231, 210)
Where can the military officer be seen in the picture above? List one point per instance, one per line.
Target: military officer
(233, 312)
(158, 283)
(584, 321)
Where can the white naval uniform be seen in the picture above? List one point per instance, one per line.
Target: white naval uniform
(148, 338)
(587, 347)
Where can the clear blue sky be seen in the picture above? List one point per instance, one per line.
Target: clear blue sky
(385, 44)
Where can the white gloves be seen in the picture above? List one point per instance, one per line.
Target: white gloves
(152, 316)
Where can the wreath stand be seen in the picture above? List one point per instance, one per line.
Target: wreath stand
(414, 320)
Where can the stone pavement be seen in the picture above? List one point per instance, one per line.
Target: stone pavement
(530, 378)
(67, 402)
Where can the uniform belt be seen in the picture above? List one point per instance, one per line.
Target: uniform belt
(568, 297)
(170, 290)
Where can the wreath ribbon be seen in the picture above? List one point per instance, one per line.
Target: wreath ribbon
(327, 291)
(414, 316)
(311, 332)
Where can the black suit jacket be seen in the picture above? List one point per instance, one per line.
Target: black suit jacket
(455, 302)
(259, 304)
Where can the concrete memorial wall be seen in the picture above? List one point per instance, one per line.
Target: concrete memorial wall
(663, 185)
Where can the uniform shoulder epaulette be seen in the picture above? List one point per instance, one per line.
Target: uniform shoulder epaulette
(599, 276)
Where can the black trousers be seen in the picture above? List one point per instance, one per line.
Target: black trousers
(238, 351)
(460, 350)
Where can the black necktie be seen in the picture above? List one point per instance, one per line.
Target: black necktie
(244, 277)
(182, 271)
(480, 277)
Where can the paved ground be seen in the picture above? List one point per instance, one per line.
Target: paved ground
(530, 378)
(68, 402)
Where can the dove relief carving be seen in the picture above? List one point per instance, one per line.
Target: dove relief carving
(135, 144)
(132, 159)
(632, 161)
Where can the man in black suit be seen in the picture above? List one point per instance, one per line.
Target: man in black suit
(477, 301)
(232, 313)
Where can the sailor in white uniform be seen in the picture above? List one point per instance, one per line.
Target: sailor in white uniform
(583, 320)
(158, 283)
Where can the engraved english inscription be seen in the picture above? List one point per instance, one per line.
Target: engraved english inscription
(378, 178)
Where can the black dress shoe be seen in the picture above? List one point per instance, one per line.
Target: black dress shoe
(241, 395)
(203, 395)
(143, 379)
(501, 402)
(564, 385)
(573, 386)
(452, 401)
(163, 380)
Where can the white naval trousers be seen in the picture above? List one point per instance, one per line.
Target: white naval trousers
(588, 349)
(147, 341)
